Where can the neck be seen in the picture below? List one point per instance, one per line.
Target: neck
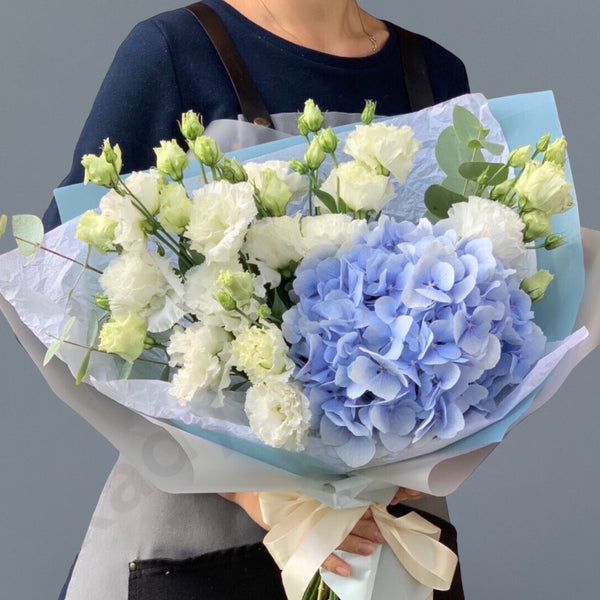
(337, 27)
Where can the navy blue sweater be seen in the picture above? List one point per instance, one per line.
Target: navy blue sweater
(167, 65)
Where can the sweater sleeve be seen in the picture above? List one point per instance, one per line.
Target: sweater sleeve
(138, 104)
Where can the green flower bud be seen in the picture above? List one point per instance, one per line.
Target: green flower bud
(274, 194)
(238, 286)
(191, 126)
(103, 169)
(302, 126)
(328, 140)
(554, 241)
(264, 312)
(542, 143)
(101, 301)
(225, 300)
(368, 112)
(175, 207)
(312, 115)
(171, 159)
(233, 171)
(207, 151)
(314, 156)
(124, 334)
(3, 222)
(519, 156)
(537, 224)
(556, 152)
(96, 230)
(535, 286)
(297, 165)
(499, 191)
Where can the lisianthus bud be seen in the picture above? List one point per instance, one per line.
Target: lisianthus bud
(225, 300)
(500, 191)
(535, 286)
(96, 230)
(264, 312)
(554, 241)
(239, 286)
(274, 194)
(328, 140)
(542, 143)
(543, 186)
(556, 152)
(314, 156)
(537, 224)
(175, 208)
(368, 112)
(302, 126)
(191, 126)
(312, 115)
(297, 165)
(519, 156)
(171, 159)
(104, 169)
(124, 334)
(207, 151)
(233, 171)
(101, 301)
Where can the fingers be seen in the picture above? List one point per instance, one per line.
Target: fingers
(353, 544)
(404, 494)
(337, 565)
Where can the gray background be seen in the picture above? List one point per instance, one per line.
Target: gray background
(527, 519)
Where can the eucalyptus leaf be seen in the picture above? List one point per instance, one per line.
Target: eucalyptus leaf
(328, 200)
(474, 144)
(93, 326)
(430, 217)
(67, 328)
(52, 350)
(457, 184)
(125, 370)
(3, 221)
(467, 125)
(28, 231)
(450, 152)
(494, 149)
(438, 200)
(85, 363)
(278, 307)
(491, 173)
(165, 373)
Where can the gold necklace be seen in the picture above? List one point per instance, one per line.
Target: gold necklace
(370, 36)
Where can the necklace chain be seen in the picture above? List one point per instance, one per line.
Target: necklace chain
(369, 36)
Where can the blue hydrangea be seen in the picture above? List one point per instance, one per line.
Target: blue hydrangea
(400, 335)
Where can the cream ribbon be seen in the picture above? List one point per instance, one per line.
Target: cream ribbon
(305, 531)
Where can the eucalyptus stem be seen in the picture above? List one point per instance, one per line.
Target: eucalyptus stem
(203, 173)
(323, 589)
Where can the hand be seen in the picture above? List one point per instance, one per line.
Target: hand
(360, 541)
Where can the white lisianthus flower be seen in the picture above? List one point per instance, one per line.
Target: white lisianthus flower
(262, 352)
(279, 414)
(175, 208)
(275, 241)
(326, 229)
(360, 187)
(379, 145)
(124, 334)
(544, 187)
(200, 289)
(220, 215)
(141, 282)
(297, 184)
(96, 230)
(131, 223)
(480, 217)
(201, 352)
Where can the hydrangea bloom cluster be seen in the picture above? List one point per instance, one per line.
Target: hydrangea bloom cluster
(403, 333)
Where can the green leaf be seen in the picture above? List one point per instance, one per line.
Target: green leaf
(456, 184)
(439, 199)
(278, 307)
(85, 363)
(494, 149)
(328, 200)
(430, 217)
(93, 326)
(126, 369)
(491, 173)
(164, 374)
(67, 328)
(52, 350)
(3, 221)
(29, 233)
(474, 144)
(450, 152)
(467, 125)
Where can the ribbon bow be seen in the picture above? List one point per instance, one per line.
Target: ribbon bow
(305, 531)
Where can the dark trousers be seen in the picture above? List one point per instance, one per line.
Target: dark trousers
(244, 573)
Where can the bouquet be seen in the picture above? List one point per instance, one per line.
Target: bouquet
(285, 309)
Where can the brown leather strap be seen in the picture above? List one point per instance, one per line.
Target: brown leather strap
(251, 103)
(414, 67)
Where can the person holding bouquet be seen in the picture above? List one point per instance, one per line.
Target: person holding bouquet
(246, 66)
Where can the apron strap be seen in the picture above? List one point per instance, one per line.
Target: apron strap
(250, 101)
(414, 67)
